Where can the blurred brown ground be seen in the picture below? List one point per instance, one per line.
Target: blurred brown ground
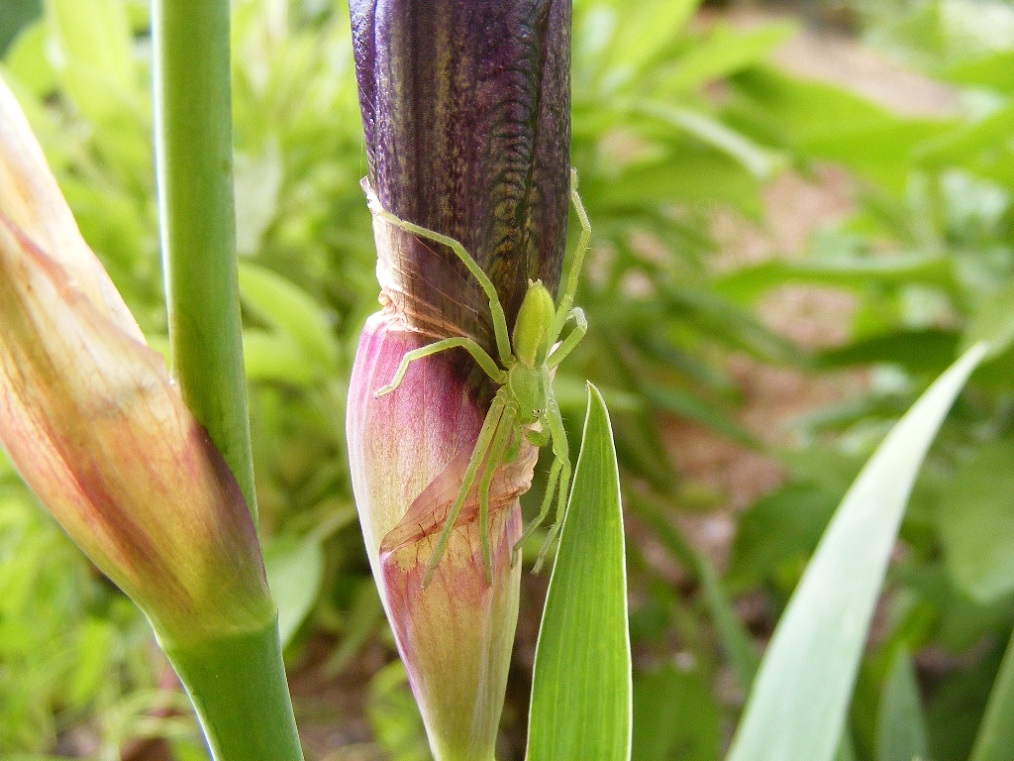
(814, 318)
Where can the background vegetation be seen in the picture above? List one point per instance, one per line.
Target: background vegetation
(681, 125)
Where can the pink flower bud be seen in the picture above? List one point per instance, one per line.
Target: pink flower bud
(408, 451)
(95, 426)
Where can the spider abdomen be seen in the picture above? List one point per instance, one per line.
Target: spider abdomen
(534, 326)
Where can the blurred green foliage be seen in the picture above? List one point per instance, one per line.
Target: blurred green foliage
(673, 121)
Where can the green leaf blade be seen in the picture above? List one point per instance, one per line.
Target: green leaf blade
(901, 725)
(996, 733)
(581, 695)
(976, 523)
(798, 703)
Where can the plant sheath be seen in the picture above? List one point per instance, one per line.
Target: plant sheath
(237, 685)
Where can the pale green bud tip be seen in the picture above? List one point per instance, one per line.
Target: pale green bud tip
(533, 331)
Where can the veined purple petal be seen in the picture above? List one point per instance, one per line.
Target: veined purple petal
(466, 107)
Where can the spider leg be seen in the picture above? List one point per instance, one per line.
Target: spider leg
(547, 501)
(567, 299)
(503, 344)
(561, 509)
(572, 340)
(562, 454)
(496, 454)
(478, 354)
(482, 445)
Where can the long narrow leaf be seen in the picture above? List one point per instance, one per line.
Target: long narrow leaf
(581, 695)
(901, 725)
(798, 703)
(731, 633)
(996, 733)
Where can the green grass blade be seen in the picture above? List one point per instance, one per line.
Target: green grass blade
(733, 636)
(799, 700)
(581, 695)
(901, 725)
(996, 733)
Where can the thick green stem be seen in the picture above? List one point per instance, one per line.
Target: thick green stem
(237, 685)
(193, 145)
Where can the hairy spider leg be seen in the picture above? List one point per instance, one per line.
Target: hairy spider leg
(482, 447)
(503, 344)
(483, 359)
(504, 430)
(561, 454)
(547, 501)
(567, 346)
(563, 311)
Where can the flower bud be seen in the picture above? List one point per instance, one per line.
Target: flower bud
(91, 420)
(465, 106)
(408, 451)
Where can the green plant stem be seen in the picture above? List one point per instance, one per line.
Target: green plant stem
(996, 733)
(237, 685)
(193, 145)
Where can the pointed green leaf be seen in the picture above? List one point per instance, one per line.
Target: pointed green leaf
(95, 59)
(669, 692)
(294, 568)
(976, 523)
(746, 285)
(994, 70)
(283, 305)
(799, 700)
(992, 320)
(581, 694)
(996, 733)
(645, 33)
(759, 161)
(901, 726)
(726, 50)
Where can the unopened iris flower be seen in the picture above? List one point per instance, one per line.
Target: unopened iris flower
(465, 107)
(93, 423)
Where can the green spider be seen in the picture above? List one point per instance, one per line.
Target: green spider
(524, 404)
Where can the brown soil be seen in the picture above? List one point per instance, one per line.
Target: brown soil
(814, 318)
